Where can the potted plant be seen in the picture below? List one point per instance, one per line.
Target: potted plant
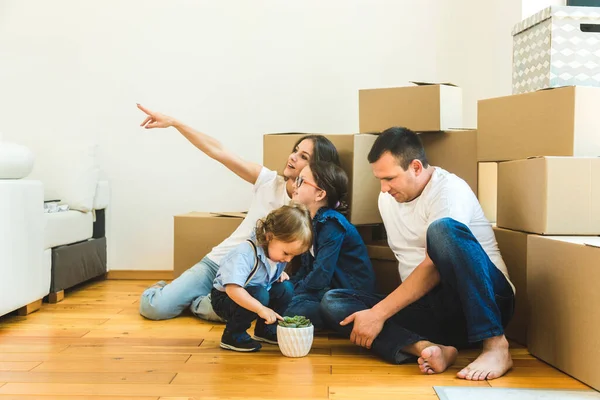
(295, 336)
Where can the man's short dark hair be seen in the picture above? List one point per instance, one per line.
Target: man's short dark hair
(402, 143)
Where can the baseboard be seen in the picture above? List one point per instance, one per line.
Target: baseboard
(139, 275)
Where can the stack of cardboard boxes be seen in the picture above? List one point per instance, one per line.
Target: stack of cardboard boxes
(544, 146)
(539, 179)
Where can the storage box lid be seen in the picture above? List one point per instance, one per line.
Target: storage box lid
(559, 12)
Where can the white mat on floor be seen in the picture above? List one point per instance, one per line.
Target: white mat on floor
(468, 393)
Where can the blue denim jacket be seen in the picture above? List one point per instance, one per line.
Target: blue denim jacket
(340, 257)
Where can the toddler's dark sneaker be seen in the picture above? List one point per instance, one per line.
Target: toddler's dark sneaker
(239, 341)
(266, 335)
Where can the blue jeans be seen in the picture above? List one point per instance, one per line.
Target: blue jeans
(239, 318)
(191, 289)
(473, 301)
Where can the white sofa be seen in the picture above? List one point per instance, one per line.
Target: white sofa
(45, 253)
(74, 241)
(24, 277)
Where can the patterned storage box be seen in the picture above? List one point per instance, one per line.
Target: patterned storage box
(559, 46)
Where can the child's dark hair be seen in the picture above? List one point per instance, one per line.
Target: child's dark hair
(333, 179)
(287, 224)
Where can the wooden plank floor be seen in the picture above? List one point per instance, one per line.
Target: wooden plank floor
(95, 345)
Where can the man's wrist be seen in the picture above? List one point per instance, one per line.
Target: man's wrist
(379, 312)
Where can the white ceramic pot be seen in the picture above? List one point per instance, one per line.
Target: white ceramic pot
(16, 161)
(295, 342)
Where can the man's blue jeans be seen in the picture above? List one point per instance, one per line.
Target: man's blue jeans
(473, 301)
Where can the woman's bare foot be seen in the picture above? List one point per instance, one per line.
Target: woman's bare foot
(436, 359)
(492, 363)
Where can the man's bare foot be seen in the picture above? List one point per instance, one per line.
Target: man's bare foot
(492, 363)
(436, 359)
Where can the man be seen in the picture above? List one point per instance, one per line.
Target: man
(455, 290)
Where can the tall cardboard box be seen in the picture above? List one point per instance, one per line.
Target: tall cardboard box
(562, 284)
(364, 188)
(385, 264)
(196, 233)
(550, 195)
(555, 122)
(513, 248)
(487, 189)
(455, 151)
(421, 108)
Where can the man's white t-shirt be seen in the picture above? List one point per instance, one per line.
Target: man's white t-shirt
(269, 193)
(446, 195)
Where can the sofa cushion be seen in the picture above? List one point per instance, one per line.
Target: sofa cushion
(68, 227)
(16, 161)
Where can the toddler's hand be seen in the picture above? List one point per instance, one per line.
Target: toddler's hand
(269, 315)
(284, 277)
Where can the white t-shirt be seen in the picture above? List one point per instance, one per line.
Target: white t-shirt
(446, 195)
(269, 194)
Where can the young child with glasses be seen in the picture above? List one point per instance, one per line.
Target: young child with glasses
(251, 282)
(338, 258)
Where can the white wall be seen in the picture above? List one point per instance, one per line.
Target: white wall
(531, 7)
(475, 49)
(234, 69)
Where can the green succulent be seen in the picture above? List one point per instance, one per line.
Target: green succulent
(297, 321)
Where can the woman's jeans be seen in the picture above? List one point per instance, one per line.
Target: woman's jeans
(192, 288)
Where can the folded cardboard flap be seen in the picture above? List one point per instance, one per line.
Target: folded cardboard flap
(241, 214)
(433, 83)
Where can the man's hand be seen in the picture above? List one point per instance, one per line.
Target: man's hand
(367, 325)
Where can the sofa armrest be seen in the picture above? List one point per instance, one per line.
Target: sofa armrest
(102, 197)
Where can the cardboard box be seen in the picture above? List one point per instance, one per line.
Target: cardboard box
(385, 264)
(196, 233)
(487, 189)
(372, 233)
(558, 46)
(556, 122)
(364, 188)
(550, 195)
(513, 247)
(455, 151)
(562, 284)
(421, 108)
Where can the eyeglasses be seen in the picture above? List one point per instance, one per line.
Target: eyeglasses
(300, 180)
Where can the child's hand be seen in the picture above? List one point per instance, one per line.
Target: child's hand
(284, 277)
(269, 315)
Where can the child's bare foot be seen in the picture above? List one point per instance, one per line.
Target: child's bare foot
(492, 363)
(436, 359)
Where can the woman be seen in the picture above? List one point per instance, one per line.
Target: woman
(164, 301)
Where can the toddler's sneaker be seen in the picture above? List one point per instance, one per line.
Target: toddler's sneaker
(239, 341)
(265, 335)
